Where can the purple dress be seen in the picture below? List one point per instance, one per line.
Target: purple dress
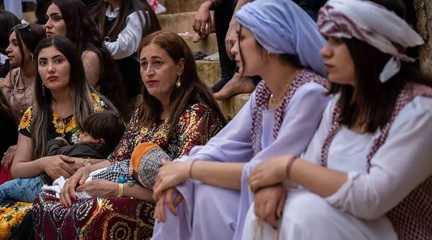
(256, 133)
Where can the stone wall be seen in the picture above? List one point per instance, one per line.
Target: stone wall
(424, 26)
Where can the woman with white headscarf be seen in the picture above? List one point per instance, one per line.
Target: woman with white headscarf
(279, 42)
(367, 173)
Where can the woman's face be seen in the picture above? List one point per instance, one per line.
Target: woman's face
(55, 25)
(338, 61)
(13, 51)
(54, 69)
(246, 53)
(159, 72)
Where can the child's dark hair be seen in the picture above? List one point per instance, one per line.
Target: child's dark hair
(107, 125)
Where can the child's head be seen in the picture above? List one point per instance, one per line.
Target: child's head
(103, 127)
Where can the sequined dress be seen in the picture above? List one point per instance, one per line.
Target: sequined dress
(124, 218)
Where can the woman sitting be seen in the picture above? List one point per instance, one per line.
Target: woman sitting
(63, 100)
(18, 86)
(177, 113)
(7, 21)
(367, 172)
(278, 41)
(70, 18)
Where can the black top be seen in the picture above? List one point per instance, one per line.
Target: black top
(82, 150)
(8, 132)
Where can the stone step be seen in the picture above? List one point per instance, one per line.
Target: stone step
(177, 22)
(232, 106)
(208, 71)
(208, 45)
(178, 6)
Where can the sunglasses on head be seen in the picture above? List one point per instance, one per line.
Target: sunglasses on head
(21, 26)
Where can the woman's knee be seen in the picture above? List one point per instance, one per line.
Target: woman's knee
(209, 195)
(306, 209)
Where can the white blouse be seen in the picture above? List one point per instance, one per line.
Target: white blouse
(401, 164)
(129, 38)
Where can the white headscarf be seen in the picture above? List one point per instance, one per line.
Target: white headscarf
(371, 23)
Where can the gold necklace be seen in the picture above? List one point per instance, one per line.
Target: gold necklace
(276, 100)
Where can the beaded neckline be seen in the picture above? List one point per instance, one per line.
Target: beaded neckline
(410, 218)
(262, 97)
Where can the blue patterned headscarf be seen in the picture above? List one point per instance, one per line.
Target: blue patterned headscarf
(281, 26)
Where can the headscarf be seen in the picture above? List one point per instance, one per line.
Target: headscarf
(282, 27)
(373, 24)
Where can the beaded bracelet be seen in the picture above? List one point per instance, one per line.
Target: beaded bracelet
(190, 168)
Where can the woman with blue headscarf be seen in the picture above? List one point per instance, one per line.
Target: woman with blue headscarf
(207, 191)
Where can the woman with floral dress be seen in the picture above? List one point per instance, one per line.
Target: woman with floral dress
(177, 112)
(63, 100)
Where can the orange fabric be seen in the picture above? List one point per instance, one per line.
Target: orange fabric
(139, 151)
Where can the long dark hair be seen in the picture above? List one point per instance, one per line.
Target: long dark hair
(372, 101)
(192, 89)
(83, 106)
(7, 21)
(149, 24)
(106, 125)
(81, 29)
(28, 36)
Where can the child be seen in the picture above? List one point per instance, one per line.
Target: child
(100, 134)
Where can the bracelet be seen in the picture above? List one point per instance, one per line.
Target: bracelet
(120, 190)
(190, 168)
(289, 166)
(86, 162)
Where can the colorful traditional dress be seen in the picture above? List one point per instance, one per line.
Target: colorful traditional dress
(124, 218)
(11, 214)
(256, 133)
(388, 193)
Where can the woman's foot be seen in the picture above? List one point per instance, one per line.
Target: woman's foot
(236, 85)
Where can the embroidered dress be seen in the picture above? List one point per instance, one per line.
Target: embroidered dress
(124, 218)
(388, 193)
(57, 127)
(256, 133)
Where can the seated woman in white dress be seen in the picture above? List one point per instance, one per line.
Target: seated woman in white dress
(367, 171)
(279, 42)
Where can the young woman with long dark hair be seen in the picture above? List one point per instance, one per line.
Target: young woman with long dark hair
(71, 19)
(63, 100)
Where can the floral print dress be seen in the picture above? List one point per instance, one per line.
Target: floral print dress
(11, 214)
(125, 217)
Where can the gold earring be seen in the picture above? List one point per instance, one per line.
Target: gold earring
(178, 82)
